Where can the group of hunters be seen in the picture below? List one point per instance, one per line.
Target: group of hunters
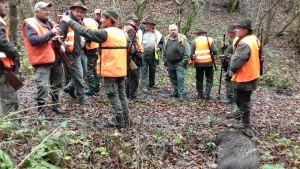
(96, 48)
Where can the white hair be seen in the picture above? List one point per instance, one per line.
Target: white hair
(173, 25)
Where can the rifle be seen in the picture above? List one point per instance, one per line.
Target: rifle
(261, 59)
(56, 44)
(223, 50)
(212, 58)
(12, 79)
(132, 65)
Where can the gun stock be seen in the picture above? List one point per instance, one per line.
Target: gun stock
(13, 80)
(57, 45)
(132, 65)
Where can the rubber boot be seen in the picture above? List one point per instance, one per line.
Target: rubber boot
(91, 89)
(126, 118)
(97, 83)
(41, 111)
(244, 127)
(117, 121)
(70, 90)
(56, 108)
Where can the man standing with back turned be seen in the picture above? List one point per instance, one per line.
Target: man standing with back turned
(9, 60)
(113, 62)
(246, 68)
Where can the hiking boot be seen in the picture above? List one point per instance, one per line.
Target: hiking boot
(97, 83)
(206, 97)
(226, 101)
(154, 87)
(134, 97)
(58, 110)
(91, 87)
(145, 90)
(181, 99)
(71, 91)
(41, 111)
(117, 121)
(245, 127)
(126, 118)
(173, 95)
(84, 102)
(233, 115)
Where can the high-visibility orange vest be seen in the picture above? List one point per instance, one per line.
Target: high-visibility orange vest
(138, 44)
(113, 59)
(250, 70)
(93, 25)
(69, 40)
(202, 51)
(40, 54)
(7, 62)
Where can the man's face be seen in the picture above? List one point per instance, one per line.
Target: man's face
(241, 31)
(105, 22)
(43, 13)
(78, 13)
(148, 26)
(231, 34)
(173, 31)
(98, 15)
(3, 6)
(133, 22)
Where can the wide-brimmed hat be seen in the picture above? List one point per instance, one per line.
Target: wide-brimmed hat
(231, 28)
(199, 31)
(132, 17)
(41, 5)
(148, 20)
(247, 23)
(79, 4)
(98, 11)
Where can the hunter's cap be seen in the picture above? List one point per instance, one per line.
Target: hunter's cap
(199, 31)
(111, 13)
(149, 20)
(98, 11)
(132, 17)
(79, 4)
(247, 23)
(41, 5)
(231, 28)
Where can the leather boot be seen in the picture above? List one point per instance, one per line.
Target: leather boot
(97, 83)
(91, 89)
(70, 90)
(126, 118)
(244, 127)
(56, 108)
(236, 114)
(41, 111)
(117, 121)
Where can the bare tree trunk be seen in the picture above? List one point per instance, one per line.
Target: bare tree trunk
(13, 21)
(290, 21)
(233, 5)
(269, 22)
(140, 6)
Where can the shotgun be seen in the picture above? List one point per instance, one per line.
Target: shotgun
(223, 50)
(12, 79)
(211, 55)
(132, 65)
(56, 44)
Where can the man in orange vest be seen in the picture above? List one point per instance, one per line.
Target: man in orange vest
(203, 51)
(74, 50)
(37, 34)
(246, 68)
(133, 77)
(9, 60)
(112, 63)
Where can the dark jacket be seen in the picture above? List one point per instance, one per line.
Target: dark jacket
(136, 56)
(8, 47)
(77, 40)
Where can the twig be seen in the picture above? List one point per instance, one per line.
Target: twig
(36, 147)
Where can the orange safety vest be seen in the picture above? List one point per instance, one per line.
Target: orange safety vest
(69, 40)
(250, 70)
(40, 54)
(138, 44)
(7, 62)
(202, 51)
(113, 59)
(93, 25)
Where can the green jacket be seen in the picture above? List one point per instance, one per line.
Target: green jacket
(241, 56)
(183, 46)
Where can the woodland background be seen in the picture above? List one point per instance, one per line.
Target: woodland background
(165, 132)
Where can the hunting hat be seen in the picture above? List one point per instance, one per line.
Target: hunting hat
(98, 11)
(111, 13)
(41, 5)
(79, 4)
(132, 17)
(199, 31)
(231, 28)
(148, 20)
(247, 23)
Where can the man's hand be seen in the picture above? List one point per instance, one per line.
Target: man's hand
(65, 19)
(55, 30)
